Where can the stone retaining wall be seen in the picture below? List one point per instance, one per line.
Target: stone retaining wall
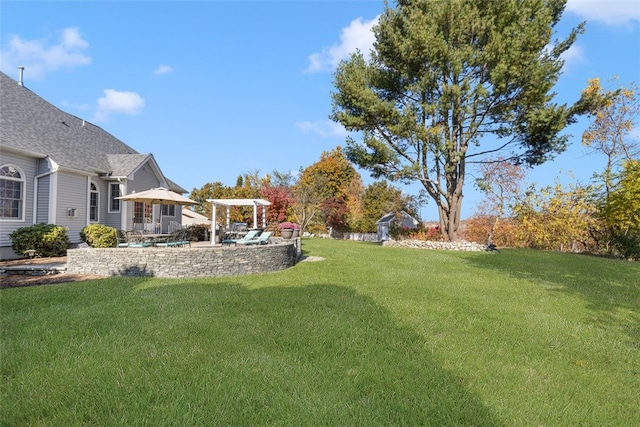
(203, 261)
(422, 244)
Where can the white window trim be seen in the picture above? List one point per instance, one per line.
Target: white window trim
(97, 191)
(23, 203)
(111, 198)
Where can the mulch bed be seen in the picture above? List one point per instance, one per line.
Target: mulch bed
(20, 280)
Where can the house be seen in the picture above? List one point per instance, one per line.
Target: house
(190, 217)
(56, 168)
(400, 219)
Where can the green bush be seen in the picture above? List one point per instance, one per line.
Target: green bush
(48, 240)
(627, 245)
(99, 236)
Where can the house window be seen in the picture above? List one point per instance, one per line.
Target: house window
(94, 198)
(114, 191)
(11, 193)
(168, 210)
(142, 212)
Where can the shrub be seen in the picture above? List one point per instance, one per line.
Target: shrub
(627, 245)
(48, 240)
(197, 232)
(431, 233)
(99, 236)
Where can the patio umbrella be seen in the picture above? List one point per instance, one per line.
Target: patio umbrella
(158, 196)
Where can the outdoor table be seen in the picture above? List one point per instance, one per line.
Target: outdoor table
(155, 237)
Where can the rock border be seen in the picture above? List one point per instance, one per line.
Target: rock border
(462, 245)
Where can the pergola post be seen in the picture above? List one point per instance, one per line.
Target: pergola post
(264, 216)
(213, 225)
(255, 215)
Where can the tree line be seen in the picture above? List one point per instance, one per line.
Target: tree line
(602, 216)
(327, 197)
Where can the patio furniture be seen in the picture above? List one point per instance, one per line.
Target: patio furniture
(252, 234)
(121, 236)
(136, 239)
(177, 239)
(261, 239)
(156, 237)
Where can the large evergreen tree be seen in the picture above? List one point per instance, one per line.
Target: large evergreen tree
(442, 76)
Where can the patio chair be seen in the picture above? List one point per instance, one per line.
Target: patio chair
(135, 239)
(121, 236)
(177, 239)
(262, 239)
(251, 235)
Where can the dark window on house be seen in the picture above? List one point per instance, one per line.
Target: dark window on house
(142, 212)
(168, 210)
(114, 191)
(94, 198)
(11, 193)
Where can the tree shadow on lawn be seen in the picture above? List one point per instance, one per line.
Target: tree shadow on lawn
(312, 355)
(608, 286)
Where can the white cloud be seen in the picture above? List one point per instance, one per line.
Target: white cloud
(116, 102)
(163, 69)
(573, 56)
(324, 128)
(611, 12)
(357, 36)
(42, 56)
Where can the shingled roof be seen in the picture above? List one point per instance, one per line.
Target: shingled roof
(30, 124)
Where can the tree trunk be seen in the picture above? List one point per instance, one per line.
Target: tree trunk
(449, 216)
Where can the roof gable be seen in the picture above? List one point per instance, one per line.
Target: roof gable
(405, 219)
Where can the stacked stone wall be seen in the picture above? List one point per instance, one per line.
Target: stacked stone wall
(428, 244)
(184, 262)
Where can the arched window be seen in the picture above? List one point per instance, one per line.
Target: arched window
(11, 193)
(94, 203)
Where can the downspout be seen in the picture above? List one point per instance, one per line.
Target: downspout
(36, 178)
(87, 219)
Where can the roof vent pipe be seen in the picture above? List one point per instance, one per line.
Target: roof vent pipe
(20, 81)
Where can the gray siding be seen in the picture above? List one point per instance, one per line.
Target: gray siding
(72, 194)
(28, 167)
(42, 209)
(142, 179)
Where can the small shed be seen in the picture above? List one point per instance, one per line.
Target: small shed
(400, 219)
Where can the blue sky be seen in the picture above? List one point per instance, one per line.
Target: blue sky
(218, 88)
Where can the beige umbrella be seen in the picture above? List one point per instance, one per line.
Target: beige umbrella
(158, 196)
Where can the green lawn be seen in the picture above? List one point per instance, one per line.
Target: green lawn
(371, 336)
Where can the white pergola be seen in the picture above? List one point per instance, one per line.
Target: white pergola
(237, 202)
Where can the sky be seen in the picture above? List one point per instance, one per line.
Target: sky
(215, 89)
